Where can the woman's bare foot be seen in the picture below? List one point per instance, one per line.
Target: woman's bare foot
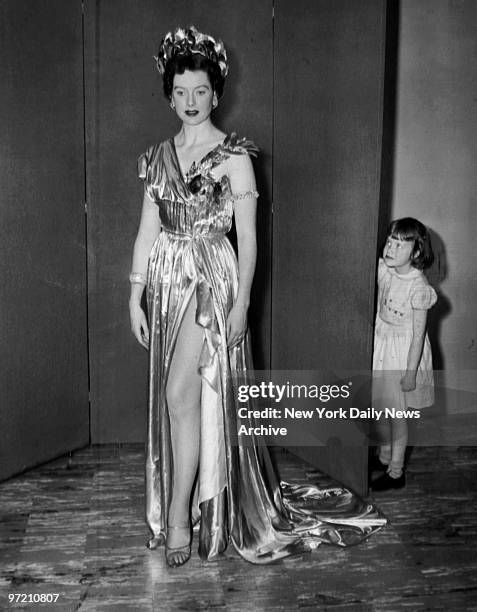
(178, 545)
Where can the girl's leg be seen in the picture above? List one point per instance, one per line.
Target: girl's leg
(383, 429)
(399, 432)
(183, 400)
(394, 478)
(383, 392)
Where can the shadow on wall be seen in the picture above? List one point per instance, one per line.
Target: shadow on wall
(389, 119)
(436, 274)
(259, 302)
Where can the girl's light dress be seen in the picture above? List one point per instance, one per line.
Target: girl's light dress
(398, 296)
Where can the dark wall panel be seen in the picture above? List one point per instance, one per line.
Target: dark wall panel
(328, 107)
(126, 112)
(43, 370)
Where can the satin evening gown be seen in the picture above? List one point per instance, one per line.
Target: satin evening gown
(238, 497)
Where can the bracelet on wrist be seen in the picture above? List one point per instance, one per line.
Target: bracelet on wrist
(136, 278)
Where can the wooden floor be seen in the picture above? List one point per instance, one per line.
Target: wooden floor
(75, 527)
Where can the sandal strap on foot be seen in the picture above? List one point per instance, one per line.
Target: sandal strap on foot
(156, 541)
(179, 550)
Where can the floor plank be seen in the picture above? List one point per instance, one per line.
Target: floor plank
(75, 526)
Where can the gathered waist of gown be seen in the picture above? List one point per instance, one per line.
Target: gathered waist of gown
(196, 233)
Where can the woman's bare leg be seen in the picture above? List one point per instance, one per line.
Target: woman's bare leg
(183, 400)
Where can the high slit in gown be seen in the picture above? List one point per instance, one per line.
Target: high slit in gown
(237, 496)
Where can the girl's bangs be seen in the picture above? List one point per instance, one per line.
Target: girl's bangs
(403, 231)
(403, 236)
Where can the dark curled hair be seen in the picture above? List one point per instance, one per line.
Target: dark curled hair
(192, 61)
(410, 229)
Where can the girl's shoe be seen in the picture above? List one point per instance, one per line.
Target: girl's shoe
(178, 555)
(387, 482)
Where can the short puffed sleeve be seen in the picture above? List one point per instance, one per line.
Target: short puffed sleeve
(142, 165)
(423, 297)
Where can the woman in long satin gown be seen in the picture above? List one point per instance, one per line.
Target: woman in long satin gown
(196, 332)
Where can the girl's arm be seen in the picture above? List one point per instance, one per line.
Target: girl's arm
(419, 319)
(242, 181)
(149, 228)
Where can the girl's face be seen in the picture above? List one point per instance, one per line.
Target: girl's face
(193, 97)
(397, 254)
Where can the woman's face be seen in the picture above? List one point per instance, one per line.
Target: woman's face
(192, 96)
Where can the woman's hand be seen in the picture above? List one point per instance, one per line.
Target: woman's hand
(408, 381)
(139, 325)
(236, 325)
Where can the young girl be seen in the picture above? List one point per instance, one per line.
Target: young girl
(402, 361)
